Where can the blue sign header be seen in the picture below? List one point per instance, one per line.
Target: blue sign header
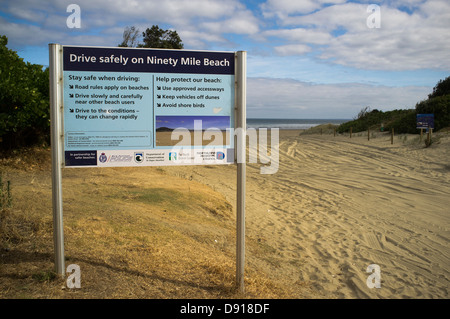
(108, 59)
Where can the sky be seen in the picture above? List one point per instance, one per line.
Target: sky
(306, 59)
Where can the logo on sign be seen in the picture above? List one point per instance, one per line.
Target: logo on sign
(220, 155)
(138, 157)
(103, 158)
(172, 156)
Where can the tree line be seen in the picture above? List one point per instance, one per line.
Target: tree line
(404, 121)
(24, 95)
(24, 100)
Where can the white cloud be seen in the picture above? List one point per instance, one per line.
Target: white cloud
(322, 41)
(196, 39)
(391, 50)
(332, 30)
(300, 35)
(209, 19)
(29, 15)
(292, 49)
(349, 15)
(284, 98)
(20, 34)
(243, 22)
(406, 40)
(283, 8)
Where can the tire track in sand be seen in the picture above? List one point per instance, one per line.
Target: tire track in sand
(334, 207)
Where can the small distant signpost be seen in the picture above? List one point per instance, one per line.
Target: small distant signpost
(425, 121)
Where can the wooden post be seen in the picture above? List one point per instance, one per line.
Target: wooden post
(392, 136)
(321, 131)
(421, 134)
(351, 132)
(368, 134)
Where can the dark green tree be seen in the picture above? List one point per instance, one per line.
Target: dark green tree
(441, 88)
(404, 121)
(24, 100)
(440, 107)
(155, 37)
(438, 103)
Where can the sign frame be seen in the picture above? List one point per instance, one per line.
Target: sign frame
(56, 80)
(101, 129)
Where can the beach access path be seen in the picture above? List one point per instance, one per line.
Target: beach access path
(337, 205)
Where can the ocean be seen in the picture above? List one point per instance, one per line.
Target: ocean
(284, 124)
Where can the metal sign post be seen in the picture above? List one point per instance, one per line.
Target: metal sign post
(241, 125)
(55, 55)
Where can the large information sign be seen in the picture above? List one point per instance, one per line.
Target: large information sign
(147, 107)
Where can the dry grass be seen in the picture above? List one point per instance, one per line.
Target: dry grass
(134, 232)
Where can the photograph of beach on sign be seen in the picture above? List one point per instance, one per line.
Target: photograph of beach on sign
(211, 130)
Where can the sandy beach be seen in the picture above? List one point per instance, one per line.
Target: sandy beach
(337, 205)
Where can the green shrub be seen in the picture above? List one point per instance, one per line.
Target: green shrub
(24, 100)
(403, 123)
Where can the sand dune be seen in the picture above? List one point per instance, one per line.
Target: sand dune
(337, 205)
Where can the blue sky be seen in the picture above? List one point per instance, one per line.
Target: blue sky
(306, 59)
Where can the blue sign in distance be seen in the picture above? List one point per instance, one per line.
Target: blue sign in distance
(425, 121)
